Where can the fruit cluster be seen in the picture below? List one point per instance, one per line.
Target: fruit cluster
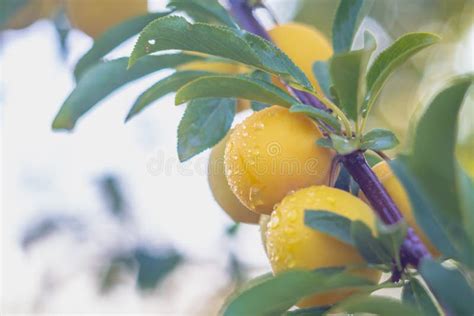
(93, 17)
(269, 170)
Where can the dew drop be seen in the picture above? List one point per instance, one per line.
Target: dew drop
(274, 221)
(151, 41)
(259, 125)
(292, 216)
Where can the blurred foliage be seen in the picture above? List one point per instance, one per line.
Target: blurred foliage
(149, 265)
(113, 196)
(449, 18)
(396, 17)
(49, 225)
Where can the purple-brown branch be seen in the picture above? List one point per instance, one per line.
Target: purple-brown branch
(412, 249)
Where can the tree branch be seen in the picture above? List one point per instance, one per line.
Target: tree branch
(412, 250)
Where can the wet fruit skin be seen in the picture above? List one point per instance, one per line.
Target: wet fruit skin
(291, 244)
(263, 222)
(400, 197)
(33, 11)
(94, 17)
(221, 191)
(271, 153)
(304, 45)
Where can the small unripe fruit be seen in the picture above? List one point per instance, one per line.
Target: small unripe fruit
(221, 191)
(271, 153)
(400, 197)
(292, 244)
(304, 45)
(94, 17)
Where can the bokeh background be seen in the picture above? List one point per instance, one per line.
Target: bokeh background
(106, 219)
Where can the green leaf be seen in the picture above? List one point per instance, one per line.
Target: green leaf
(258, 106)
(466, 199)
(392, 57)
(172, 32)
(368, 246)
(9, 8)
(325, 142)
(415, 294)
(344, 178)
(430, 172)
(372, 159)
(167, 85)
(234, 86)
(349, 16)
(111, 39)
(313, 311)
(329, 223)
(255, 105)
(204, 11)
(379, 139)
(275, 295)
(317, 114)
(154, 266)
(375, 305)
(342, 145)
(347, 74)
(392, 237)
(102, 79)
(205, 122)
(321, 72)
(449, 286)
(423, 209)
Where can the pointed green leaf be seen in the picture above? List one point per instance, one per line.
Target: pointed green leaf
(112, 38)
(275, 295)
(204, 11)
(368, 246)
(342, 145)
(227, 86)
(466, 199)
(172, 32)
(430, 174)
(258, 74)
(449, 286)
(429, 221)
(325, 142)
(205, 122)
(167, 85)
(375, 305)
(102, 79)
(313, 311)
(321, 72)
(392, 237)
(317, 114)
(329, 223)
(347, 74)
(379, 139)
(349, 16)
(415, 294)
(392, 57)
